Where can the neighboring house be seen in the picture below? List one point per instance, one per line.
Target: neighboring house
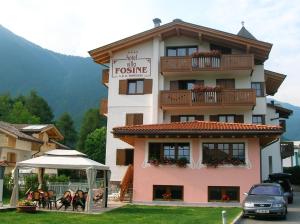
(294, 159)
(183, 93)
(21, 142)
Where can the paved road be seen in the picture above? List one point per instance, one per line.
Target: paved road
(293, 215)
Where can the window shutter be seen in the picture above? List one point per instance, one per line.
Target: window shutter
(174, 85)
(226, 83)
(199, 83)
(121, 156)
(129, 119)
(123, 87)
(147, 86)
(262, 88)
(239, 118)
(137, 119)
(213, 118)
(175, 118)
(199, 117)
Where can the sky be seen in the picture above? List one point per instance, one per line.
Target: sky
(74, 27)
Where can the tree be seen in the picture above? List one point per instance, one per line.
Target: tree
(94, 145)
(91, 121)
(20, 115)
(65, 125)
(39, 107)
(5, 106)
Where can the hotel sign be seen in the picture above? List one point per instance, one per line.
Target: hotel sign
(131, 67)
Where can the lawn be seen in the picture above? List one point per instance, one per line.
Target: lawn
(129, 214)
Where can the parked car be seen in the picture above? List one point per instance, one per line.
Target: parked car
(266, 199)
(284, 180)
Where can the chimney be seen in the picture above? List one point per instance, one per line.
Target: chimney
(156, 22)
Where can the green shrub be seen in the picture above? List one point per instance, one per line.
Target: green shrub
(295, 171)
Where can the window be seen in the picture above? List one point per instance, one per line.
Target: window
(167, 192)
(258, 119)
(226, 83)
(186, 118)
(11, 157)
(226, 118)
(259, 88)
(134, 119)
(270, 160)
(181, 51)
(222, 49)
(185, 84)
(124, 157)
(220, 193)
(282, 123)
(174, 151)
(227, 153)
(135, 86)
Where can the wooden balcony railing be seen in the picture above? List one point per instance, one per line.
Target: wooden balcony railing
(286, 149)
(224, 62)
(103, 107)
(226, 97)
(105, 77)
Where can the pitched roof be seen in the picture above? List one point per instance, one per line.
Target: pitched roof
(52, 131)
(12, 130)
(197, 127)
(282, 111)
(260, 49)
(245, 33)
(273, 81)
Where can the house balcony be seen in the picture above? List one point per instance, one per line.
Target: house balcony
(182, 99)
(105, 77)
(239, 63)
(103, 110)
(286, 149)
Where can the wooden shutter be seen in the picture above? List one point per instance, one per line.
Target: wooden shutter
(199, 83)
(134, 119)
(147, 86)
(226, 83)
(121, 157)
(123, 87)
(174, 85)
(199, 117)
(175, 118)
(239, 118)
(213, 118)
(137, 119)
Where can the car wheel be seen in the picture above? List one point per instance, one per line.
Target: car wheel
(244, 216)
(284, 215)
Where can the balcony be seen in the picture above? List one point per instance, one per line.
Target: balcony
(105, 77)
(286, 149)
(222, 63)
(180, 99)
(103, 107)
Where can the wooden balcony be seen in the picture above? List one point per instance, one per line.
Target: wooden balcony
(105, 77)
(286, 149)
(170, 99)
(103, 107)
(188, 64)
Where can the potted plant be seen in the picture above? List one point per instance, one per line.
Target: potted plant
(182, 162)
(168, 161)
(26, 206)
(154, 161)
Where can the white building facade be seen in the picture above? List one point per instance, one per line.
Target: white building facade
(153, 79)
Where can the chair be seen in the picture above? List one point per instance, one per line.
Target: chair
(98, 195)
(36, 197)
(65, 200)
(51, 199)
(79, 200)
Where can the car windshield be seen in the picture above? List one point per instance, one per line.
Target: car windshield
(266, 190)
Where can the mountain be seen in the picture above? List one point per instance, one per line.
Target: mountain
(68, 83)
(293, 123)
